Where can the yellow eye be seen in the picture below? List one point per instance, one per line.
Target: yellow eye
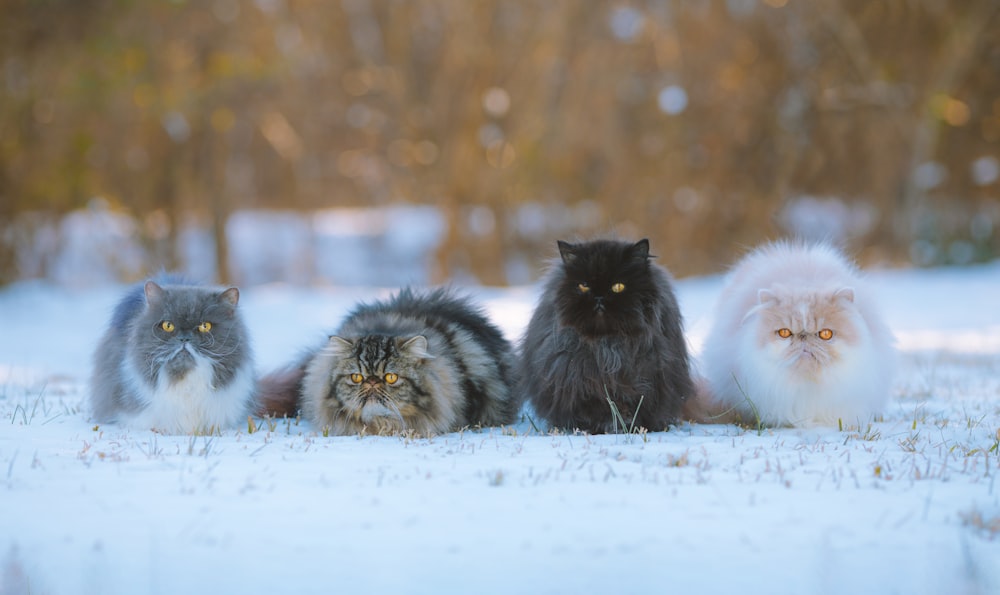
(167, 326)
(357, 378)
(391, 378)
(204, 327)
(826, 334)
(584, 288)
(784, 333)
(618, 287)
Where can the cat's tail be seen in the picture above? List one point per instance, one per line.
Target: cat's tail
(279, 394)
(703, 409)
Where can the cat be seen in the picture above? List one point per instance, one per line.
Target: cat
(426, 363)
(797, 340)
(176, 359)
(607, 326)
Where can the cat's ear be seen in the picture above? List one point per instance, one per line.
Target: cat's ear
(640, 249)
(340, 346)
(766, 296)
(416, 347)
(567, 251)
(154, 293)
(844, 293)
(231, 295)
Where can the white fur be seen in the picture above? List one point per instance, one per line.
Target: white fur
(755, 381)
(851, 389)
(191, 405)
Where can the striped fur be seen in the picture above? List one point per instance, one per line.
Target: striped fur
(452, 370)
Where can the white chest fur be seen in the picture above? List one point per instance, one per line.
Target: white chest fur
(192, 404)
(850, 389)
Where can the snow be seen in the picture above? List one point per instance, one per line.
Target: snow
(887, 507)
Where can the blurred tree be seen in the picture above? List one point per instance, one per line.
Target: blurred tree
(701, 124)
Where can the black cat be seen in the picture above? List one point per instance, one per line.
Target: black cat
(606, 327)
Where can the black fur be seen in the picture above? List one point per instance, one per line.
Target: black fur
(586, 343)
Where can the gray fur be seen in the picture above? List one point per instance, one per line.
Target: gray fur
(453, 370)
(180, 381)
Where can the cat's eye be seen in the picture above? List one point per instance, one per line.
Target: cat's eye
(584, 288)
(784, 333)
(826, 334)
(391, 378)
(618, 287)
(357, 378)
(167, 326)
(204, 327)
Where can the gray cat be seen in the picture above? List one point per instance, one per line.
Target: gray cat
(607, 326)
(428, 363)
(175, 359)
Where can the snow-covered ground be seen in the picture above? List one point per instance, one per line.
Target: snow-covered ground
(905, 505)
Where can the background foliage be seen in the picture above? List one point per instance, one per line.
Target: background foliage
(707, 125)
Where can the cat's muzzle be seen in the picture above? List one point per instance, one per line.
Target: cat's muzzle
(180, 363)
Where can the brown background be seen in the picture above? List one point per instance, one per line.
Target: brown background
(180, 111)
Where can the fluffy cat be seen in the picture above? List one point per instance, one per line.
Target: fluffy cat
(607, 325)
(428, 363)
(176, 359)
(797, 340)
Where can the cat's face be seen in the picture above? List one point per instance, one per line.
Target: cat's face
(806, 331)
(606, 288)
(181, 325)
(380, 381)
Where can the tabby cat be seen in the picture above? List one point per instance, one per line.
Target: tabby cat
(427, 363)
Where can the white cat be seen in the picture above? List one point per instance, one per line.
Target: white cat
(798, 340)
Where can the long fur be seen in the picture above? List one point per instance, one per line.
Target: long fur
(279, 394)
(584, 346)
(454, 369)
(184, 381)
(802, 379)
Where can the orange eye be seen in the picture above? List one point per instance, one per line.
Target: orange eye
(204, 327)
(618, 287)
(826, 334)
(357, 378)
(784, 333)
(391, 378)
(167, 326)
(584, 288)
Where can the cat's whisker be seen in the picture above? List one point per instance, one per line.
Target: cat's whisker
(398, 415)
(220, 354)
(152, 371)
(607, 324)
(344, 414)
(441, 344)
(826, 354)
(225, 339)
